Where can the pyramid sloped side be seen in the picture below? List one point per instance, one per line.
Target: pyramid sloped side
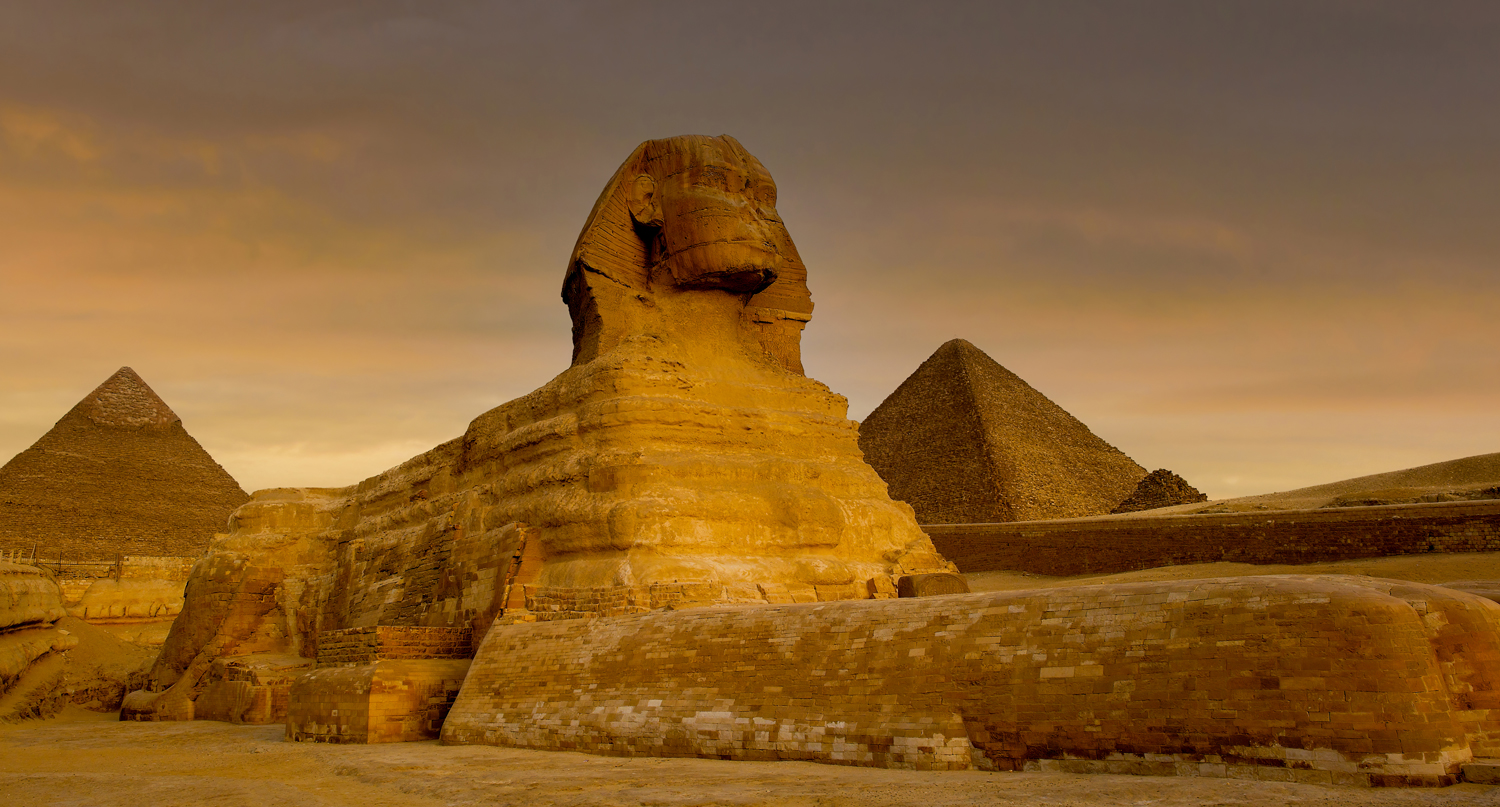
(1048, 464)
(926, 441)
(86, 491)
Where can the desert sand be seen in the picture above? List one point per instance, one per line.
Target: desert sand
(88, 758)
(81, 758)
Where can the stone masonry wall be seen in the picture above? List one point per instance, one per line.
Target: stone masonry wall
(389, 700)
(353, 646)
(1293, 678)
(1109, 545)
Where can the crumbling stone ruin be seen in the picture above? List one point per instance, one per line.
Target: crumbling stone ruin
(118, 500)
(674, 549)
(964, 440)
(1160, 488)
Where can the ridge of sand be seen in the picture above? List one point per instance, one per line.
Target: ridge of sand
(1427, 568)
(1459, 478)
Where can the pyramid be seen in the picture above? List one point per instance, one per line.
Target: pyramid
(1160, 488)
(118, 475)
(964, 440)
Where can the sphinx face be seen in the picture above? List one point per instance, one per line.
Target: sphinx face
(718, 208)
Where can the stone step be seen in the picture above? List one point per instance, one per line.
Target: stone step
(1482, 771)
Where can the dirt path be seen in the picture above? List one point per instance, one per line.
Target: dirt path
(82, 759)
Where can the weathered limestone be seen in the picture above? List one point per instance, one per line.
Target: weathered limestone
(683, 459)
(1294, 678)
(31, 664)
(964, 440)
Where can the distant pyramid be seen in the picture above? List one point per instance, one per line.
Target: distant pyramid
(964, 440)
(1160, 488)
(118, 475)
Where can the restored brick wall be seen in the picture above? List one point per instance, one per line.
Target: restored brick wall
(1293, 678)
(386, 701)
(353, 646)
(1108, 545)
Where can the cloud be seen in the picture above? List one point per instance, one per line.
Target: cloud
(332, 233)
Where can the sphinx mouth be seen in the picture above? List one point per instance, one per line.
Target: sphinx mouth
(737, 280)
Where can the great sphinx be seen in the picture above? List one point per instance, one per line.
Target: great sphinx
(675, 548)
(682, 459)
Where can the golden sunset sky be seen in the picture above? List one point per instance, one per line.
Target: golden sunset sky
(1257, 243)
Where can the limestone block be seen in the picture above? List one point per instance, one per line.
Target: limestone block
(1483, 772)
(931, 585)
(380, 702)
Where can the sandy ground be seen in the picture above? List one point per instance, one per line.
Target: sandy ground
(79, 759)
(88, 758)
(1416, 568)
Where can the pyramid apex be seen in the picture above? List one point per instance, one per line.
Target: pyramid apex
(956, 344)
(125, 400)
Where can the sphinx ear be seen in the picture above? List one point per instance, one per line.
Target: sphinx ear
(640, 197)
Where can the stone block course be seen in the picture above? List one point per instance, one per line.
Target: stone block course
(354, 646)
(1292, 678)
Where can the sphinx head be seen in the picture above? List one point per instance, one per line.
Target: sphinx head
(683, 214)
(705, 209)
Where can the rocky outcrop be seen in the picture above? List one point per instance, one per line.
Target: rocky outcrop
(31, 644)
(1160, 488)
(964, 440)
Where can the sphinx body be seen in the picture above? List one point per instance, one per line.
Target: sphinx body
(683, 458)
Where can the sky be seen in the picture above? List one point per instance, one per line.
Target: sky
(1256, 243)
